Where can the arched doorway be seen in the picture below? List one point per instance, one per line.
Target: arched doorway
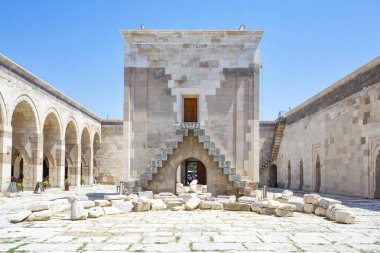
(318, 174)
(272, 175)
(24, 142)
(45, 169)
(52, 141)
(289, 175)
(71, 153)
(192, 169)
(301, 175)
(377, 177)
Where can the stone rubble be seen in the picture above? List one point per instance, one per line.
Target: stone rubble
(192, 204)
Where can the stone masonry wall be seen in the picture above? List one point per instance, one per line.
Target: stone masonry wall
(266, 137)
(345, 135)
(220, 68)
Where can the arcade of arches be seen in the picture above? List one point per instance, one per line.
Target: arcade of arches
(45, 153)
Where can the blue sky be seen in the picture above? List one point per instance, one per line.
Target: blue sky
(75, 45)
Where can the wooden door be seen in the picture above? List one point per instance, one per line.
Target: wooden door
(201, 173)
(190, 109)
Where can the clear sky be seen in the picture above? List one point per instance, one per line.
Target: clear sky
(75, 45)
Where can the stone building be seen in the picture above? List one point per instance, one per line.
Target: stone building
(191, 110)
(331, 142)
(191, 97)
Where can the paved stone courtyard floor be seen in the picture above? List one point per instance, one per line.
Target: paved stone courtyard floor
(187, 231)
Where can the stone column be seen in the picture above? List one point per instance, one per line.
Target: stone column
(60, 154)
(78, 162)
(37, 158)
(91, 166)
(254, 113)
(5, 157)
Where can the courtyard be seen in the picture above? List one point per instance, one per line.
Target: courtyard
(187, 231)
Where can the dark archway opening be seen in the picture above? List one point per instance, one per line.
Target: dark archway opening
(273, 176)
(318, 174)
(66, 169)
(377, 177)
(301, 175)
(45, 169)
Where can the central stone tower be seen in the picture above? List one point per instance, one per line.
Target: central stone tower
(191, 96)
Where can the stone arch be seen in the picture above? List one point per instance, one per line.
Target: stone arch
(26, 137)
(165, 179)
(52, 142)
(3, 111)
(301, 174)
(26, 99)
(273, 175)
(72, 151)
(317, 174)
(289, 175)
(54, 111)
(85, 155)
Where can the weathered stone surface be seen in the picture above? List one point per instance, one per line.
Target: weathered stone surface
(192, 204)
(187, 196)
(177, 208)
(236, 206)
(204, 196)
(255, 206)
(287, 194)
(194, 182)
(95, 212)
(286, 207)
(147, 194)
(110, 210)
(278, 197)
(298, 203)
(125, 206)
(77, 210)
(332, 209)
(326, 202)
(157, 204)
(344, 216)
(20, 216)
(195, 188)
(225, 198)
(87, 204)
(210, 205)
(273, 203)
(173, 203)
(132, 197)
(141, 206)
(179, 188)
(309, 208)
(40, 206)
(187, 189)
(166, 194)
(265, 211)
(102, 202)
(320, 211)
(311, 199)
(114, 197)
(175, 199)
(204, 188)
(283, 213)
(247, 199)
(40, 216)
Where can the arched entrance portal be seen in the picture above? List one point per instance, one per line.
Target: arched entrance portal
(190, 149)
(273, 175)
(318, 174)
(192, 169)
(45, 169)
(377, 177)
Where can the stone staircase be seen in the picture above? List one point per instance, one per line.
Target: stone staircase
(276, 141)
(170, 146)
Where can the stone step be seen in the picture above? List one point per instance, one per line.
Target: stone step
(177, 138)
(198, 132)
(182, 132)
(224, 164)
(229, 171)
(239, 184)
(171, 144)
(203, 138)
(208, 144)
(136, 189)
(233, 177)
